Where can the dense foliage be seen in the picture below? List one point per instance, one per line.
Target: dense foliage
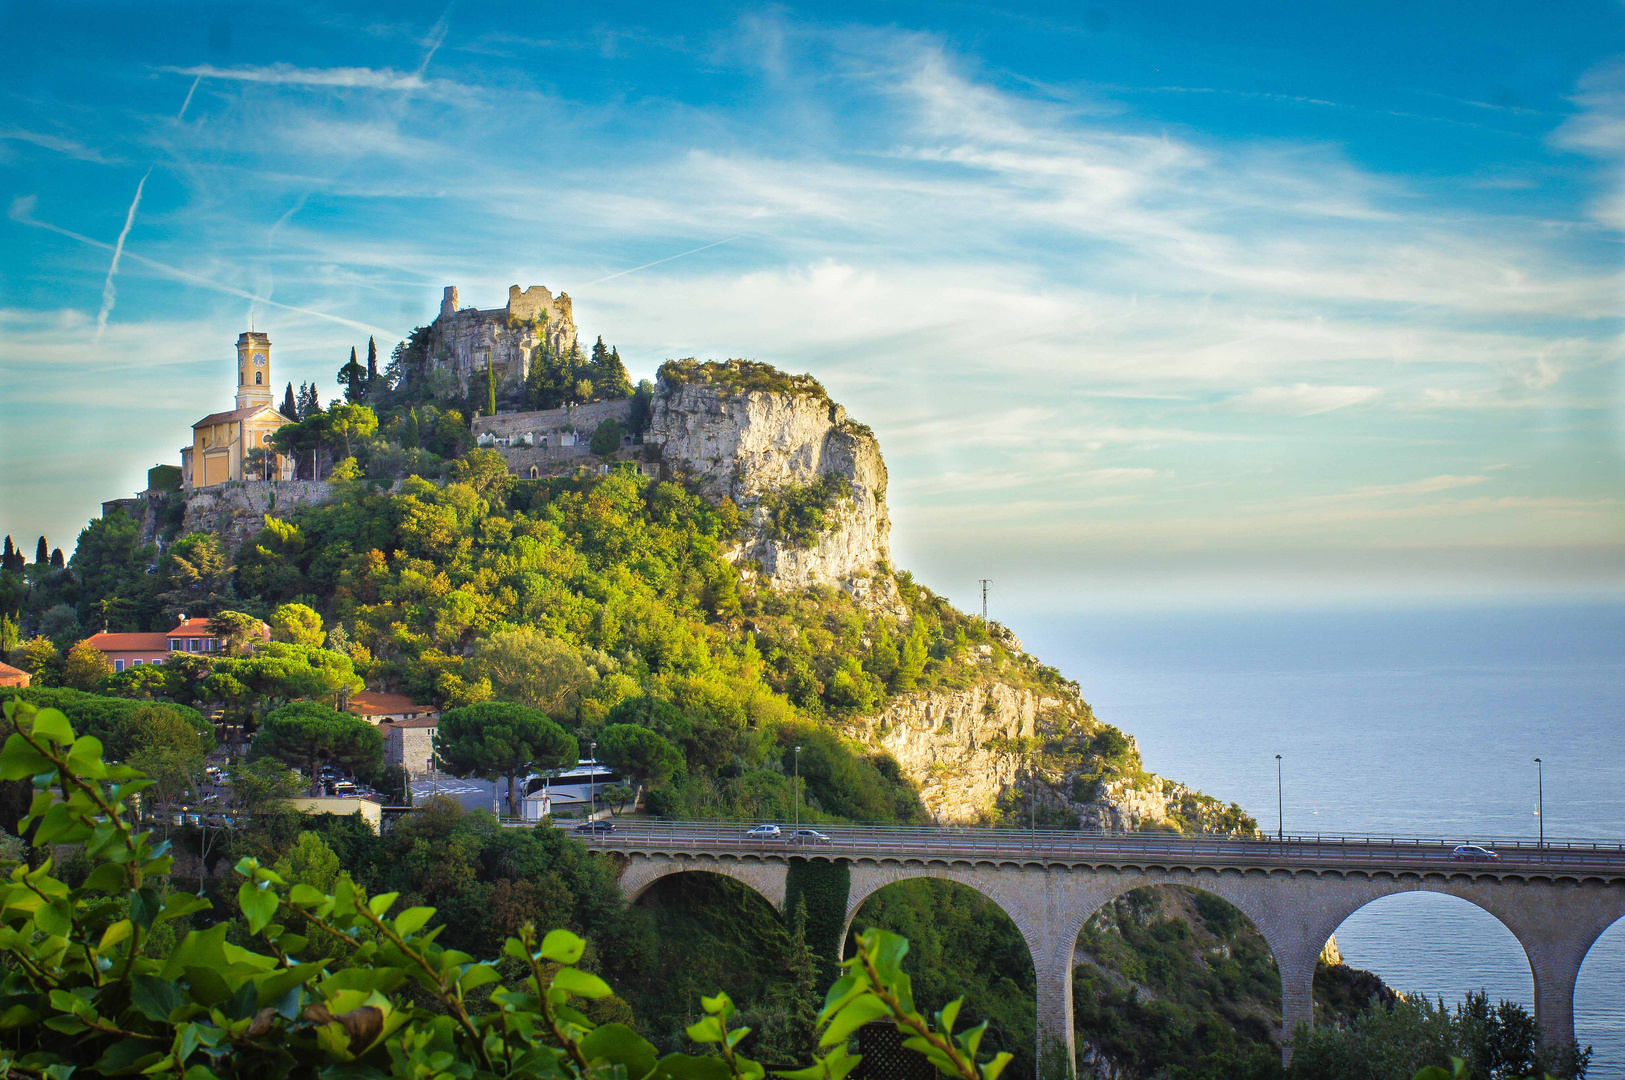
(97, 978)
(739, 376)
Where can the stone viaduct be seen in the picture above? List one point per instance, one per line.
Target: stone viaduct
(1556, 905)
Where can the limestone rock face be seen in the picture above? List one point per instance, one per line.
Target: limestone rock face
(744, 445)
(963, 749)
(956, 745)
(505, 339)
(236, 512)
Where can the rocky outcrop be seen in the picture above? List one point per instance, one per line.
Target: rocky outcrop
(972, 754)
(236, 512)
(504, 340)
(959, 746)
(757, 446)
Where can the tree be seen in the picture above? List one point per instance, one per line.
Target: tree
(57, 561)
(501, 739)
(352, 422)
(609, 378)
(309, 403)
(39, 657)
(290, 405)
(198, 573)
(86, 668)
(372, 360)
(308, 736)
(172, 755)
(297, 624)
(639, 754)
(353, 377)
(235, 630)
(259, 462)
(606, 439)
(529, 667)
(486, 471)
(42, 552)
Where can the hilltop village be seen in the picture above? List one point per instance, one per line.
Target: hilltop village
(682, 591)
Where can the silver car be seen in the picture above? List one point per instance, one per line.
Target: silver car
(764, 832)
(1473, 853)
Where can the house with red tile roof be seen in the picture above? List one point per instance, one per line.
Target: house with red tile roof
(377, 707)
(132, 650)
(10, 676)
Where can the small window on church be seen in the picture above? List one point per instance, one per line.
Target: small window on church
(258, 378)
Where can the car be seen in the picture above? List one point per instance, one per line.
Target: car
(764, 832)
(1473, 853)
(809, 836)
(596, 827)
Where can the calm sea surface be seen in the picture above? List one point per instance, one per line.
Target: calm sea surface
(1404, 722)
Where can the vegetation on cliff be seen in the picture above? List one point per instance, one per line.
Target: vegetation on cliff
(738, 377)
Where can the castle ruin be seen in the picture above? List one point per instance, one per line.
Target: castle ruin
(504, 340)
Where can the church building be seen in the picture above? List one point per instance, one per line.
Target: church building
(234, 445)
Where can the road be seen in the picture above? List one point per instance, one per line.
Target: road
(1059, 846)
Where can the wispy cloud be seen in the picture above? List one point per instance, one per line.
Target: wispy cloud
(385, 80)
(60, 144)
(109, 293)
(1304, 399)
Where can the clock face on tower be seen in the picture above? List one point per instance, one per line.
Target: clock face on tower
(259, 361)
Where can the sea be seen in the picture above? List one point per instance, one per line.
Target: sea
(1401, 721)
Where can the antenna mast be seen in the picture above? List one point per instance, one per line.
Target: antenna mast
(985, 583)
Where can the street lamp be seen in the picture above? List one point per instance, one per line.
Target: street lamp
(795, 788)
(1540, 800)
(1280, 805)
(592, 781)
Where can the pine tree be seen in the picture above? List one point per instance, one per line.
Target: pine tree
(290, 407)
(609, 378)
(353, 377)
(57, 561)
(42, 552)
(309, 403)
(410, 434)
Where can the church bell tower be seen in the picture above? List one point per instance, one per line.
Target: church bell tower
(253, 370)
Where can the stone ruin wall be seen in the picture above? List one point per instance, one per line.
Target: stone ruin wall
(462, 341)
(549, 438)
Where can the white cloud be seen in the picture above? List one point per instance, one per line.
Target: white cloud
(1304, 399)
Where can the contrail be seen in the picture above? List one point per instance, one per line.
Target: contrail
(657, 262)
(109, 294)
(437, 35)
(181, 115)
(20, 213)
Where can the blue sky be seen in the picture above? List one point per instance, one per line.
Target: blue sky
(1148, 303)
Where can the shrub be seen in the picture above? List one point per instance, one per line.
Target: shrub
(90, 991)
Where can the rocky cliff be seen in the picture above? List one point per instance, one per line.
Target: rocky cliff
(810, 483)
(978, 754)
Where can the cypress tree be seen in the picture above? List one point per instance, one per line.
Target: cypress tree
(352, 377)
(372, 359)
(57, 561)
(290, 407)
(5, 556)
(42, 552)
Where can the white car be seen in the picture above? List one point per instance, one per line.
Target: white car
(1473, 853)
(763, 832)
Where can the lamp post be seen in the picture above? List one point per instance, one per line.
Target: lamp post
(1540, 802)
(592, 781)
(1280, 805)
(795, 787)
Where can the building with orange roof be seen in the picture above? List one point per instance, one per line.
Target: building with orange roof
(377, 707)
(10, 676)
(133, 650)
(224, 444)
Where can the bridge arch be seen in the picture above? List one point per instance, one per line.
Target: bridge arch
(766, 878)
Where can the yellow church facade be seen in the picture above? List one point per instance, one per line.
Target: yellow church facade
(235, 445)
